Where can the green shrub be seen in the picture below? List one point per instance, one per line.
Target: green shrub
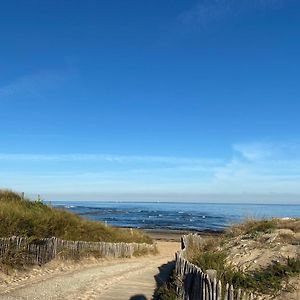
(211, 260)
(168, 290)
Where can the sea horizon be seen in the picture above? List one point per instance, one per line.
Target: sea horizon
(170, 202)
(176, 215)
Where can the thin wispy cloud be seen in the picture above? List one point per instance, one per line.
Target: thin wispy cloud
(269, 150)
(263, 167)
(255, 178)
(255, 151)
(34, 85)
(105, 158)
(207, 12)
(255, 167)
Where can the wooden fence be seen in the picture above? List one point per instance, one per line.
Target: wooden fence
(193, 284)
(44, 250)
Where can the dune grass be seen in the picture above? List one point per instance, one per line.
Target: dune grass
(267, 281)
(270, 280)
(251, 226)
(34, 219)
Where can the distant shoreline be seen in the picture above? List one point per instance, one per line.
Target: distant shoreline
(175, 235)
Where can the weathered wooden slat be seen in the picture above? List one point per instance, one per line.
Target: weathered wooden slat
(219, 291)
(44, 250)
(193, 284)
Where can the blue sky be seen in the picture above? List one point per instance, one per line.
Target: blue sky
(151, 100)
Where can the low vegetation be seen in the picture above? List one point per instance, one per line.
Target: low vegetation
(249, 256)
(35, 220)
(252, 228)
(66, 254)
(141, 251)
(168, 290)
(267, 281)
(14, 259)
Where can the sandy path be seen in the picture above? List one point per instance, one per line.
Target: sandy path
(120, 279)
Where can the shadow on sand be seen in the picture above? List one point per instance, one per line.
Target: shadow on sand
(138, 297)
(162, 276)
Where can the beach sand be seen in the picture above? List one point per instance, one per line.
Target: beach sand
(105, 279)
(175, 235)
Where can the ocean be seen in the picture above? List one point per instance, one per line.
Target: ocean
(176, 216)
